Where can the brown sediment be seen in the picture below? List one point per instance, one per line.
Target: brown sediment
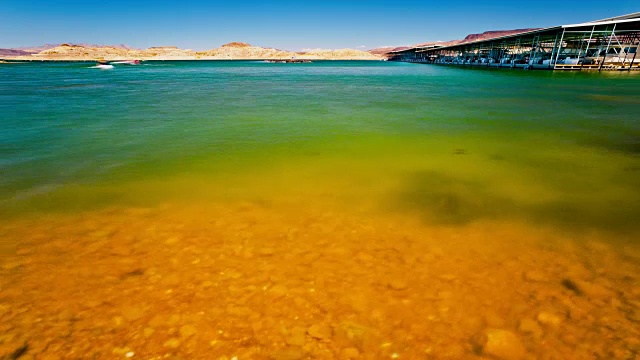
(256, 281)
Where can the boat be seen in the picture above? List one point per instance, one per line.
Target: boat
(103, 65)
(128, 62)
(288, 61)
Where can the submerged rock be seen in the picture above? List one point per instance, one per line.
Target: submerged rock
(297, 336)
(290, 353)
(187, 331)
(500, 344)
(172, 343)
(594, 290)
(549, 319)
(320, 331)
(397, 283)
(349, 334)
(350, 353)
(13, 350)
(530, 326)
(571, 285)
(589, 289)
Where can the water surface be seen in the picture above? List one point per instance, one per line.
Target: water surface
(379, 202)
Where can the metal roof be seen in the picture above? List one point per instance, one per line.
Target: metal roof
(633, 17)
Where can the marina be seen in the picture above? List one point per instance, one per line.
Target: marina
(607, 44)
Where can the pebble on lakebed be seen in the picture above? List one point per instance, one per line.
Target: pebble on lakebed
(501, 344)
(341, 288)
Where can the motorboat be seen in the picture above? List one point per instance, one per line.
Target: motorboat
(128, 62)
(289, 61)
(103, 65)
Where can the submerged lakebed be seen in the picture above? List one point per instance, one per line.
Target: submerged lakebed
(327, 210)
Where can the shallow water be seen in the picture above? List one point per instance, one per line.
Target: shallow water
(324, 210)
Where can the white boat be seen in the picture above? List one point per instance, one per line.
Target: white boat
(103, 66)
(127, 62)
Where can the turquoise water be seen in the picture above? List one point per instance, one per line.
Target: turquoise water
(448, 145)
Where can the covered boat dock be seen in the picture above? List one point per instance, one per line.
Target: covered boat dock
(607, 44)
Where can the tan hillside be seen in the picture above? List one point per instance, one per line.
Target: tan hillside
(168, 53)
(339, 54)
(236, 45)
(238, 51)
(79, 52)
(230, 51)
(241, 51)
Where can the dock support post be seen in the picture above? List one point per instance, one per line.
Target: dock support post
(586, 51)
(535, 44)
(553, 50)
(608, 44)
(634, 57)
(555, 63)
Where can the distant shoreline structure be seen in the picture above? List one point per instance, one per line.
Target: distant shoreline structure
(607, 44)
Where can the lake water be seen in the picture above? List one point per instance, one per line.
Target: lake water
(325, 210)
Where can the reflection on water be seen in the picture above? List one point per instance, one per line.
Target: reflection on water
(337, 210)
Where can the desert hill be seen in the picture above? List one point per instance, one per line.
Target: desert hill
(492, 34)
(345, 54)
(230, 51)
(83, 52)
(387, 49)
(239, 50)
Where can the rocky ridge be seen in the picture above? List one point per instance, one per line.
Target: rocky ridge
(13, 52)
(469, 38)
(230, 51)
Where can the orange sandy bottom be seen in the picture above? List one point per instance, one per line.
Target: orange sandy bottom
(245, 281)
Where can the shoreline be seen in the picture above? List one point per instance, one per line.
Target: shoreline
(20, 60)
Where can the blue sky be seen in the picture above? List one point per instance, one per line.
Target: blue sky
(290, 25)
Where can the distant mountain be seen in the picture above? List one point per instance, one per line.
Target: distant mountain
(234, 50)
(238, 50)
(37, 49)
(13, 52)
(493, 34)
(387, 49)
(85, 52)
(236, 44)
(469, 38)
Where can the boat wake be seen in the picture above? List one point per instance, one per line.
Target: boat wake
(103, 67)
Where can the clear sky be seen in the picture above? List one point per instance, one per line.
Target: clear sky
(287, 25)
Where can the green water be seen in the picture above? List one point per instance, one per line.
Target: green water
(446, 145)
